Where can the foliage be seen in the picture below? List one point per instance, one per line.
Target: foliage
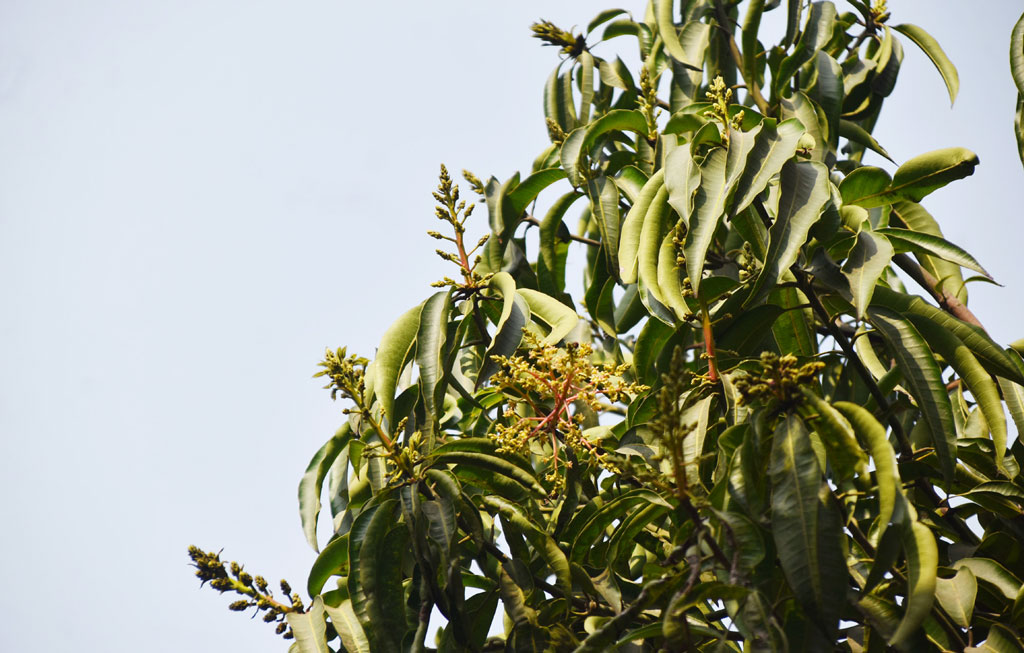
(756, 439)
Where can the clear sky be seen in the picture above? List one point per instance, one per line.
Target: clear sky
(196, 197)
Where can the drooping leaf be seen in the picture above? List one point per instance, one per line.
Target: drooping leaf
(430, 340)
(922, 374)
(806, 529)
(981, 385)
(312, 483)
(554, 313)
(651, 235)
(515, 314)
(395, 350)
(854, 133)
(579, 143)
(844, 452)
(708, 208)
(887, 474)
(817, 32)
(993, 573)
(332, 561)
(922, 563)
(773, 147)
(669, 35)
(604, 202)
(956, 596)
(803, 193)
(931, 47)
(521, 196)
(483, 453)
(547, 549)
(632, 227)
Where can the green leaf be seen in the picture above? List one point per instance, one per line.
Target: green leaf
(916, 218)
(541, 542)
(751, 48)
(586, 82)
(803, 194)
(708, 207)
(603, 17)
(604, 202)
(806, 530)
(956, 596)
(483, 453)
(922, 562)
(993, 573)
(310, 628)
(682, 179)
(430, 340)
(866, 181)
(615, 73)
(844, 452)
(887, 475)
(854, 133)
(981, 385)
(395, 350)
(668, 277)
(669, 35)
(554, 313)
(922, 374)
(515, 314)
(991, 355)
(865, 265)
(332, 561)
(935, 52)
(312, 483)
(376, 546)
(1017, 54)
(651, 235)
(344, 620)
(632, 227)
(578, 143)
(921, 176)
(816, 33)
(553, 247)
(521, 196)
(928, 244)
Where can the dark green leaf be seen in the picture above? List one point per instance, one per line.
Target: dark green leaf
(311, 485)
(395, 350)
(865, 265)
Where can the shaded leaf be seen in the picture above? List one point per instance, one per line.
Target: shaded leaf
(395, 350)
(865, 265)
(922, 563)
(956, 596)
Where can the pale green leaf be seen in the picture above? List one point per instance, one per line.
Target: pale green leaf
(921, 176)
(887, 475)
(632, 227)
(347, 625)
(515, 314)
(956, 596)
(310, 628)
(559, 317)
(430, 340)
(708, 208)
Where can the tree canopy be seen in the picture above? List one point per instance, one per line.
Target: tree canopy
(741, 431)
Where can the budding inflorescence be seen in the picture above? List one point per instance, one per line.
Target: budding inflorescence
(779, 380)
(232, 577)
(544, 389)
(647, 102)
(720, 95)
(347, 374)
(551, 34)
(455, 212)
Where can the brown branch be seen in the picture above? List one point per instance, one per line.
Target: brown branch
(947, 300)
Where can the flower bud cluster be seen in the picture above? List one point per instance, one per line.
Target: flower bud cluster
(779, 380)
(551, 34)
(455, 212)
(232, 577)
(347, 374)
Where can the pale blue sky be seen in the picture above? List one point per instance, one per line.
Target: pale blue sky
(196, 197)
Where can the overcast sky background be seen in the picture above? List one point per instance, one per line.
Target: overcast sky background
(196, 197)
